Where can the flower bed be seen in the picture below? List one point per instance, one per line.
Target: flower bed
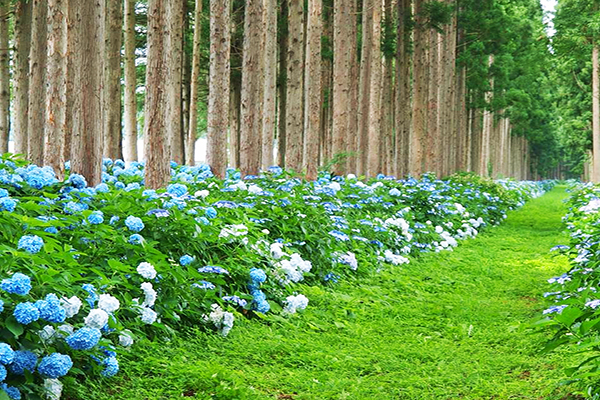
(87, 271)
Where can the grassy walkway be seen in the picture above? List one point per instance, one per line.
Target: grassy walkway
(445, 327)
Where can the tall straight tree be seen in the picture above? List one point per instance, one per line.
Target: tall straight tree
(433, 152)
(270, 86)
(295, 94)
(418, 134)
(596, 112)
(218, 100)
(252, 89)
(22, 43)
(374, 142)
(111, 109)
(364, 89)
(37, 83)
(403, 85)
(4, 76)
(86, 148)
(56, 94)
(312, 87)
(190, 145)
(341, 79)
(174, 63)
(129, 91)
(282, 106)
(352, 137)
(156, 145)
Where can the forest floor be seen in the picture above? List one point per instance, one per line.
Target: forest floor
(447, 326)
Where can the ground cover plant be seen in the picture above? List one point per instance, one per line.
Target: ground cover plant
(88, 271)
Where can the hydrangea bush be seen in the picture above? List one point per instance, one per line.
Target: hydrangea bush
(86, 271)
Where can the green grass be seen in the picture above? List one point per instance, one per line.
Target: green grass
(448, 326)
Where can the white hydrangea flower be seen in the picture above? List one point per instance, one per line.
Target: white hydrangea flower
(97, 318)
(71, 306)
(297, 261)
(277, 250)
(146, 270)
(222, 320)
(202, 193)
(295, 303)
(149, 293)
(396, 259)
(148, 315)
(47, 333)
(125, 338)
(65, 330)
(108, 303)
(53, 389)
(227, 323)
(254, 189)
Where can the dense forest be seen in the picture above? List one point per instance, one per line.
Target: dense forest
(354, 86)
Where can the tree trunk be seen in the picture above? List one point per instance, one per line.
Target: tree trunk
(174, 63)
(70, 76)
(387, 99)
(341, 80)
(21, 74)
(270, 83)
(281, 113)
(352, 130)
(313, 89)
(129, 94)
(37, 83)
(403, 106)
(596, 112)
(374, 143)
(192, 133)
(235, 100)
(364, 90)
(111, 108)
(295, 94)
(87, 107)
(252, 89)
(156, 140)
(56, 94)
(218, 100)
(4, 76)
(418, 135)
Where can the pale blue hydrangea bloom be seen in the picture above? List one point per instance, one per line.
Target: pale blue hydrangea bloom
(134, 224)
(258, 275)
(55, 365)
(186, 260)
(85, 338)
(31, 243)
(17, 284)
(26, 313)
(135, 238)
(96, 218)
(7, 354)
(111, 366)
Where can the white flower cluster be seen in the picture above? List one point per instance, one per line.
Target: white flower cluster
(108, 303)
(591, 207)
(292, 270)
(395, 259)
(295, 303)
(97, 318)
(146, 270)
(71, 306)
(401, 224)
(53, 389)
(348, 258)
(222, 320)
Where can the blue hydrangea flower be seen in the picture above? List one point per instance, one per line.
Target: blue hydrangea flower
(3, 372)
(23, 360)
(203, 220)
(31, 243)
(7, 354)
(135, 238)
(77, 181)
(210, 212)
(7, 204)
(258, 275)
(213, 269)
(26, 313)
(235, 299)
(134, 224)
(111, 366)
(55, 365)
(262, 307)
(17, 284)
(51, 310)
(3, 193)
(96, 218)
(177, 189)
(186, 260)
(113, 220)
(85, 338)
(93, 296)
(12, 392)
(205, 285)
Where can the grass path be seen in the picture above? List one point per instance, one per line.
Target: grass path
(444, 327)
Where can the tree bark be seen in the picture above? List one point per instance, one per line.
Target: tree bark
(111, 109)
(218, 100)
(4, 76)
(364, 90)
(596, 112)
(387, 100)
(129, 94)
(418, 134)
(252, 89)
(174, 63)
(352, 130)
(270, 83)
(192, 133)
(37, 83)
(281, 113)
(403, 106)
(341, 81)
(313, 89)
(156, 139)
(374, 143)
(22, 45)
(433, 153)
(87, 107)
(295, 94)
(56, 94)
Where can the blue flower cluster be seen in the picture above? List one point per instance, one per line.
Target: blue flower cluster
(134, 224)
(31, 243)
(84, 338)
(18, 284)
(55, 365)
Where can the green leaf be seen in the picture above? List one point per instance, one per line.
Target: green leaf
(15, 327)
